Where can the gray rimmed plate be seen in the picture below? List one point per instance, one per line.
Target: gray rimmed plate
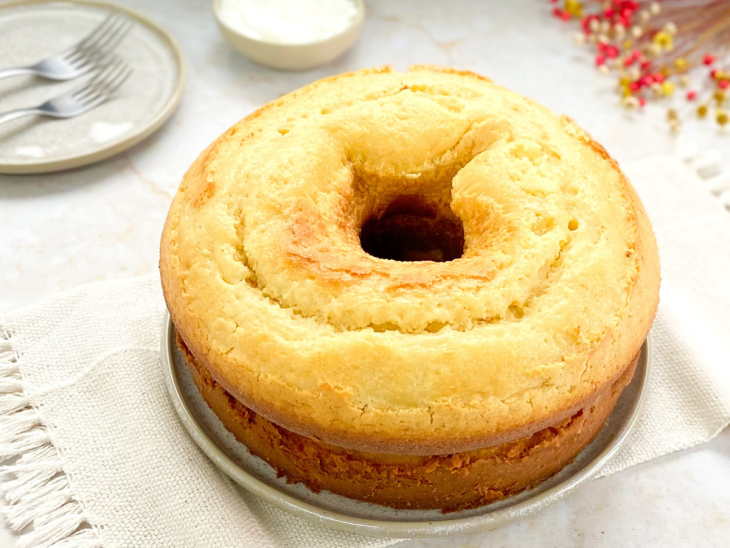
(368, 519)
(31, 30)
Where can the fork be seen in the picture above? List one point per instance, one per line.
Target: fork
(82, 99)
(83, 56)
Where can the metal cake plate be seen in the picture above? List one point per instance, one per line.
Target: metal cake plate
(344, 514)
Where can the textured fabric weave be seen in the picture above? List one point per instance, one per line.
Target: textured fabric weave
(92, 439)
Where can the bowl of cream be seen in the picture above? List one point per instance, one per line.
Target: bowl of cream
(290, 34)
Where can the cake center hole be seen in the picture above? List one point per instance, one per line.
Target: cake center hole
(410, 229)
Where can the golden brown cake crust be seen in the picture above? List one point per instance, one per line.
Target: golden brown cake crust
(267, 283)
(449, 482)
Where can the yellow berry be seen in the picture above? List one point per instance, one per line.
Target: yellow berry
(663, 40)
(667, 88)
(681, 63)
(574, 8)
(702, 111)
(722, 118)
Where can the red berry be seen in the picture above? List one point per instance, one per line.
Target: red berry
(562, 14)
(645, 65)
(612, 52)
(600, 60)
(713, 74)
(723, 84)
(634, 86)
(647, 80)
(709, 59)
(609, 13)
(642, 101)
(659, 77)
(629, 61)
(691, 95)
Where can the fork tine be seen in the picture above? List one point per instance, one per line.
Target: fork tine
(113, 41)
(103, 43)
(115, 82)
(85, 63)
(118, 80)
(103, 84)
(106, 44)
(98, 80)
(113, 65)
(117, 67)
(100, 30)
(89, 85)
(99, 95)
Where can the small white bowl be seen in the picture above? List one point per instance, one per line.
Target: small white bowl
(292, 56)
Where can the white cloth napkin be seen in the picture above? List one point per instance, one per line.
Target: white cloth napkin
(97, 456)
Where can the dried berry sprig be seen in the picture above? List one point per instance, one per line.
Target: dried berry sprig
(658, 47)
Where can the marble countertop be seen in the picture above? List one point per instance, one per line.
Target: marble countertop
(103, 221)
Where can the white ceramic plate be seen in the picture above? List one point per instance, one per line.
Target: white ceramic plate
(32, 30)
(369, 519)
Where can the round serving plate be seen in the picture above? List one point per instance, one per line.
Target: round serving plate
(31, 30)
(368, 519)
